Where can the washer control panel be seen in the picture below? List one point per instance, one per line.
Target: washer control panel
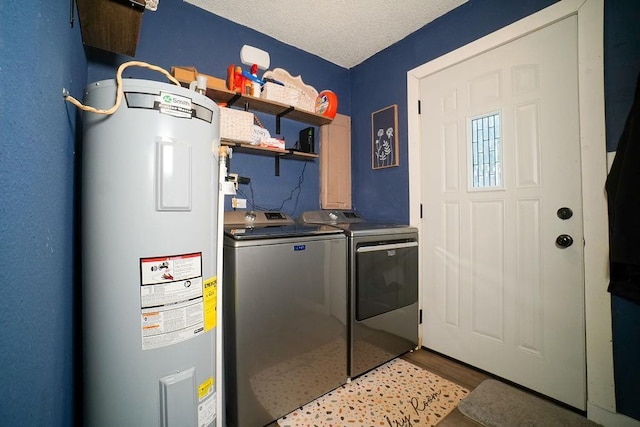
(256, 218)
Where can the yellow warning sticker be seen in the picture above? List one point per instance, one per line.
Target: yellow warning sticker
(210, 303)
(205, 388)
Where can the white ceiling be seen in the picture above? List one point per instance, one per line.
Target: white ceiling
(345, 32)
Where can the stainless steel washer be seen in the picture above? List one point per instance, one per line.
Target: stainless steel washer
(285, 315)
(383, 287)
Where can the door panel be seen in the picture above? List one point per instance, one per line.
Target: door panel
(499, 293)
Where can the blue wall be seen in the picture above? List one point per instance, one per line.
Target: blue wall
(41, 54)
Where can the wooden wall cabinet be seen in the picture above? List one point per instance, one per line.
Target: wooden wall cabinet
(111, 25)
(335, 163)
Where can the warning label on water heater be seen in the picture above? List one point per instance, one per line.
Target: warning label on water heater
(171, 299)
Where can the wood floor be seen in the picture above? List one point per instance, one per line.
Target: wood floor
(453, 371)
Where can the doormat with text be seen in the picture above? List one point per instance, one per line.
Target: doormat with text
(397, 393)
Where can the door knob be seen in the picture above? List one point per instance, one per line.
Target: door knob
(565, 213)
(564, 241)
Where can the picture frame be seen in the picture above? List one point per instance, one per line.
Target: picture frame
(384, 138)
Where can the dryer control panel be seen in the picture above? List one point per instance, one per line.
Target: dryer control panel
(330, 217)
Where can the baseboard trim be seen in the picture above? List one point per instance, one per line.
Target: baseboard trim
(607, 418)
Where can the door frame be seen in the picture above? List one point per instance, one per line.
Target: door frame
(590, 13)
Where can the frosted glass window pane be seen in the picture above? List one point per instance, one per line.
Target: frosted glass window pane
(485, 151)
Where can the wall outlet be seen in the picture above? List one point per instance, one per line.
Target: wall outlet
(239, 203)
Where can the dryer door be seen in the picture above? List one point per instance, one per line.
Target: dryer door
(386, 278)
(384, 303)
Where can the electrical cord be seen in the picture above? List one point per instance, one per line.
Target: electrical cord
(121, 68)
(298, 187)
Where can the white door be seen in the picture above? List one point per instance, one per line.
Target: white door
(501, 153)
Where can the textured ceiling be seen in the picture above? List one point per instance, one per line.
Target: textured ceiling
(345, 32)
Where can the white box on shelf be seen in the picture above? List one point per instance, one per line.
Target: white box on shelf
(236, 125)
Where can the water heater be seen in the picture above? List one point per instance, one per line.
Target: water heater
(149, 198)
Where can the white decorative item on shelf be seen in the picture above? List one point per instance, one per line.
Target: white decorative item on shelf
(294, 92)
(151, 5)
(259, 134)
(250, 55)
(236, 125)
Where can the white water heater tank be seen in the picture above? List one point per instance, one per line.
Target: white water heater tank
(149, 198)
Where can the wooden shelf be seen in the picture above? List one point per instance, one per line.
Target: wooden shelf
(271, 152)
(253, 149)
(300, 155)
(251, 103)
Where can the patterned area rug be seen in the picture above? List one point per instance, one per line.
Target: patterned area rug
(397, 393)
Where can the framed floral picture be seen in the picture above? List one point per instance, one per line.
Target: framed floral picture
(384, 137)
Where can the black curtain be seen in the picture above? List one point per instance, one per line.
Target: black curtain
(623, 194)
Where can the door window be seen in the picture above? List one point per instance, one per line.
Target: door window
(486, 152)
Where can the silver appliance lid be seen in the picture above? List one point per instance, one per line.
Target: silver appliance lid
(375, 229)
(353, 224)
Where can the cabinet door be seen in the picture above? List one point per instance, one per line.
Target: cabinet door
(113, 26)
(335, 164)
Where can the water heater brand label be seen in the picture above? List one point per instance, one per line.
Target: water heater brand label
(175, 105)
(299, 247)
(171, 299)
